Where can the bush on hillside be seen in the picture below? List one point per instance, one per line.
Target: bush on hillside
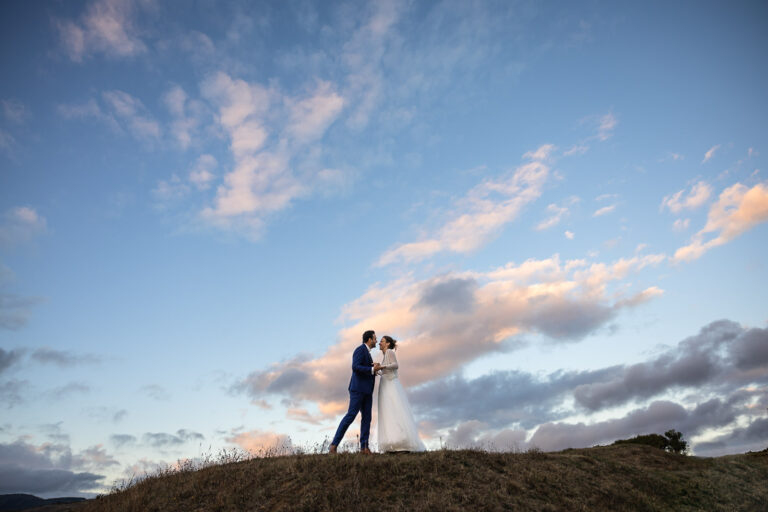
(671, 441)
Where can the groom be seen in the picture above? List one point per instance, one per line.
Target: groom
(360, 393)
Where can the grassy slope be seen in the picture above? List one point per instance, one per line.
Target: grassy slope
(626, 477)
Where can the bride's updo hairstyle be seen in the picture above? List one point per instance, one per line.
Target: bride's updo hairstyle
(391, 341)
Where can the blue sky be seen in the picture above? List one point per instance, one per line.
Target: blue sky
(559, 210)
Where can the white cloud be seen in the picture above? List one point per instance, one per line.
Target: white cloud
(604, 210)
(132, 111)
(576, 149)
(681, 224)
(737, 210)
(479, 215)
(186, 115)
(107, 27)
(606, 126)
(201, 174)
(19, 225)
(569, 235)
(14, 111)
(556, 213)
(542, 153)
(696, 197)
(710, 153)
(310, 117)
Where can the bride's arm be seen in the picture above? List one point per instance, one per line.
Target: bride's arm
(391, 360)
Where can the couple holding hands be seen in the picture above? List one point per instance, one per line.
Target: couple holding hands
(397, 430)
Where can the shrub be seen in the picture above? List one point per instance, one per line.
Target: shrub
(654, 440)
(671, 441)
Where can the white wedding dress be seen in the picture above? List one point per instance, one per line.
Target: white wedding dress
(396, 427)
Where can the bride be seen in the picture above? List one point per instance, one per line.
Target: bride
(397, 430)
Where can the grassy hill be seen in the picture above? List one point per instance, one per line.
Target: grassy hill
(621, 477)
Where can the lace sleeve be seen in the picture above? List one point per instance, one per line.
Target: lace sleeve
(391, 360)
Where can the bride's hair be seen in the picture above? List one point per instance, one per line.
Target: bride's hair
(392, 342)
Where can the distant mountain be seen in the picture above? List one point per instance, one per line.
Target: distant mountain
(9, 502)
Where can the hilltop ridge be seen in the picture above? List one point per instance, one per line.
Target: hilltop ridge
(620, 477)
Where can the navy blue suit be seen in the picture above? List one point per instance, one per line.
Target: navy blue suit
(360, 396)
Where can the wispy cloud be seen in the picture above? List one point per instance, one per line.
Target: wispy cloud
(710, 153)
(133, 113)
(14, 111)
(481, 213)
(557, 213)
(737, 210)
(19, 225)
(106, 27)
(62, 358)
(261, 442)
(606, 126)
(681, 224)
(121, 112)
(605, 210)
(696, 197)
(186, 115)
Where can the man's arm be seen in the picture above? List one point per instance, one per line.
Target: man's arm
(359, 362)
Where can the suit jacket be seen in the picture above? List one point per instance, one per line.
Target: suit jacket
(362, 376)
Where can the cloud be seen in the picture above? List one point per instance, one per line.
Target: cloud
(11, 392)
(447, 321)
(15, 310)
(186, 114)
(155, 391)
(121, 440)
(569, 235)
(14, 111)
(724, 360)
(201, 174)
(9, 358)
(737, 210)
(741, 439)
(49, 469)
(556, 213)
(710, 153)
(68, 389)
(576, 149)
(171, 189)
(61, 358)
(311, 116)
(606, 126)
(107, 27)
(20, 225)
(261, 442)
(133, 113)
(121, 113)
(722, 353)
(681, 224)
(605, 210)
(542, 153)
(697, 196)
(162, 439)
(479, 215)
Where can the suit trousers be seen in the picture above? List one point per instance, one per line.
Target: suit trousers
(358, 402)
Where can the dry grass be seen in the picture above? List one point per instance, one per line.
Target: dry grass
(616, 478)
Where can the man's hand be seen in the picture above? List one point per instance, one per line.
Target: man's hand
(376, 367)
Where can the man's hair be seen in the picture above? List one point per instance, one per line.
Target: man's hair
(368, 335)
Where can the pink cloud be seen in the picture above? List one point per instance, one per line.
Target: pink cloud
(737, 210)
(480, 214)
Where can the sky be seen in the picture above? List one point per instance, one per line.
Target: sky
(558, 209)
